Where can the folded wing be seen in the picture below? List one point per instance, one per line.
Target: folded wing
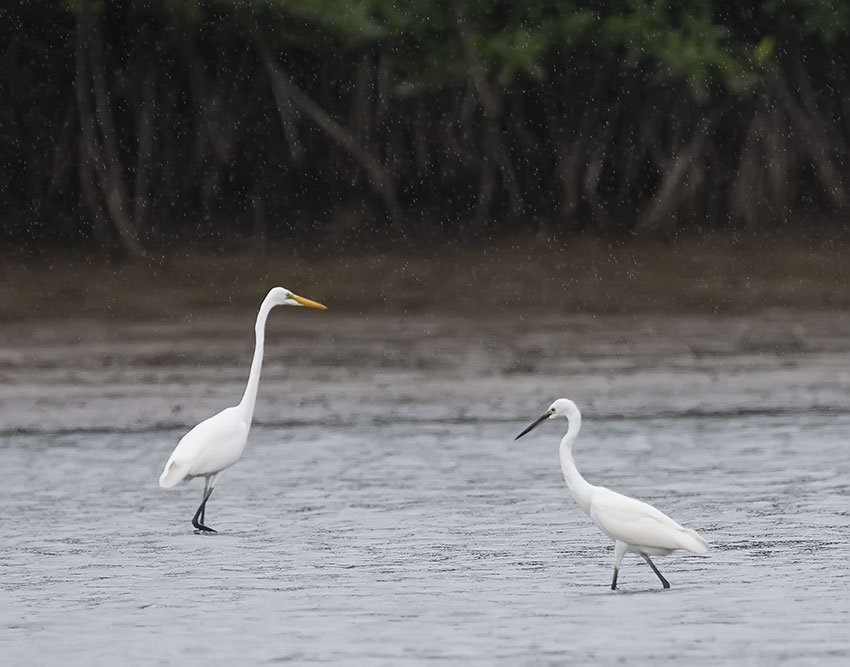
(639, 524)
(213, 445)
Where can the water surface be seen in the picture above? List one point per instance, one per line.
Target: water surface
(383, 514)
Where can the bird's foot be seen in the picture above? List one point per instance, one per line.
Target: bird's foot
(201, 528)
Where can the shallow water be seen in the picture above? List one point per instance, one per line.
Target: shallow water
(383, 514)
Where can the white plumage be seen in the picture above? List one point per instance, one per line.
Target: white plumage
(217, 443)
(635, 526)
(213, 445)
(640, 525)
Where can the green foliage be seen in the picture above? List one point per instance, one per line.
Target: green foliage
(188, 86)
(433, 43)
(682, 43)
(825, 20)
(671, 42)
(763, 52)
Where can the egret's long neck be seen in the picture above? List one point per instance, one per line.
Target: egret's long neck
(578, 486)
(249, 398)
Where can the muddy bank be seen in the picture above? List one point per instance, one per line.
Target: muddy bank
(347, 368)
(520, 275)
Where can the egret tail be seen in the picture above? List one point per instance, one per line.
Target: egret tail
(172, 475)
(690, 541)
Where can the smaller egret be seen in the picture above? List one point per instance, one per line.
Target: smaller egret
(635, 526)
(217, 443)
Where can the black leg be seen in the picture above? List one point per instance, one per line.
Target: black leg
(614, 582)
(199, 525)
(664, 582)
(206, 493)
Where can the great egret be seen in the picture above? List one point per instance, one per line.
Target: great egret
(634, 526)
(217, 443)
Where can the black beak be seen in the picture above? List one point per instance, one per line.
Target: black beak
(534, 425)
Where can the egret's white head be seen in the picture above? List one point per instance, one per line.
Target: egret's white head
(563, 407)
(280, 296)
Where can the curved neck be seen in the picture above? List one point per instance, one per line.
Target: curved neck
(249, 398)
(578, 486)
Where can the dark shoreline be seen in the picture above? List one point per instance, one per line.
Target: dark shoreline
(523, 274)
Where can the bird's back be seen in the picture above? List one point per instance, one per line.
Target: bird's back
(213, 445)
(640, 524)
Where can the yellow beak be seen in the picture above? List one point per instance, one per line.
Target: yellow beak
(308, 303)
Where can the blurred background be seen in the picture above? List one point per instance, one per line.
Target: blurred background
(696, 152)
(636, 204)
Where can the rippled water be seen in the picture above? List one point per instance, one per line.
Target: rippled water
(383, 514)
